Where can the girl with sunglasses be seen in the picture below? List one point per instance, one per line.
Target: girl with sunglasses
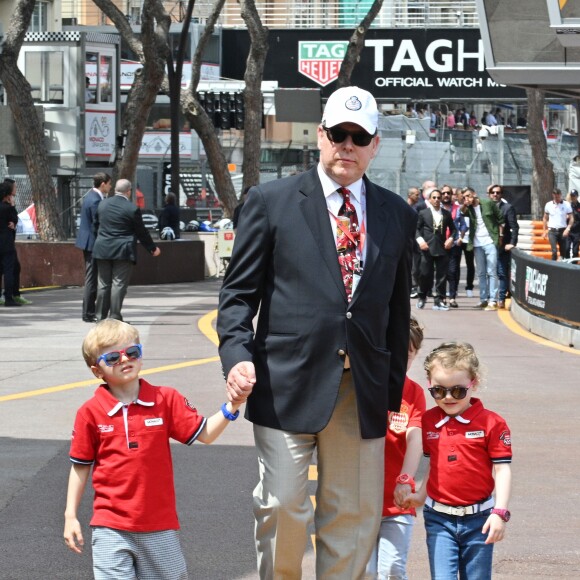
(469, 448)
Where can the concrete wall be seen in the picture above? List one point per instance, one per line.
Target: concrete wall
(62, 264)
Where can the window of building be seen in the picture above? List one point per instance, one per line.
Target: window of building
(39, 21)
(99, 77)
(44, 70)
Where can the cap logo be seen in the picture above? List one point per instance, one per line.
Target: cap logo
(353, 104)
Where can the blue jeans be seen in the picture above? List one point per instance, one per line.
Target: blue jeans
(486, 266)
(503, 272)
(389, 557)
(456, 545)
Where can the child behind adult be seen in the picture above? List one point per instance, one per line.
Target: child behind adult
(123, 433)
(468, 446)
(402, 456)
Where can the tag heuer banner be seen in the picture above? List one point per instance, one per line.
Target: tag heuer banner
(320, 61)
(401, 63)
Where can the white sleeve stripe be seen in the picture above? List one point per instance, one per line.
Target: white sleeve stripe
(196, 434)
(81, 461)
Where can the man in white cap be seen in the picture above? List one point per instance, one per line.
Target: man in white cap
(325, 258)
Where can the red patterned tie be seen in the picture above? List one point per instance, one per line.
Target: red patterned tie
(347, 243)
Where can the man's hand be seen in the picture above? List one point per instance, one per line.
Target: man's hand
(424, 246)
(240, 382)
(508, 247)
(448, 243)
(11, 226)
(156, 252)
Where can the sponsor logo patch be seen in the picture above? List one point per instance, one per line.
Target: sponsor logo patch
(506, 438)
(153, 422)
(398, 422)
(475, 434)
(432, 435)
(106, 428)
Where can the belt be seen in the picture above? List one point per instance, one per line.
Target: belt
(461, 510)
(556, 229)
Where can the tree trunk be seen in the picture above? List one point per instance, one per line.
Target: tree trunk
(152, 49)
(174, 73)
(30, 130)
(253, 103)
(203, 125)
(543, 180)
(356, 44)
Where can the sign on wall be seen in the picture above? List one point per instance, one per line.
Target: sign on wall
(99, 133)
(416, 64)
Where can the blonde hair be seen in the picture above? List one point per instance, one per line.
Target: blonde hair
(107, 333)
(455, 355)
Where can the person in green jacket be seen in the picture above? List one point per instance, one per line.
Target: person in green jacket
(485, 237)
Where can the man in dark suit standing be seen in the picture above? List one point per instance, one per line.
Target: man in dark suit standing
(118, 226)
(435, 230)
(8, 258)
(86, 240)
(325, 257)
(507, 243)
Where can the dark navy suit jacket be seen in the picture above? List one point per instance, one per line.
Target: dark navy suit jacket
(85, 235)
(284, 267)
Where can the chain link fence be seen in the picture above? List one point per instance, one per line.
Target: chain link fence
(456, 157)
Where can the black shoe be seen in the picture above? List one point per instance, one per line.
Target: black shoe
(90, 319)
(414, 293)
(453, 304)
(421, 303)
(481, 305)
(11, 303)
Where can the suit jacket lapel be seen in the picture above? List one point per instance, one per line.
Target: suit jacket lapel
(378, 224)
(315, 212)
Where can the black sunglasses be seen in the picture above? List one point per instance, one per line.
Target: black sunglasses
(359, 138)
(114, 357)
(457, 392)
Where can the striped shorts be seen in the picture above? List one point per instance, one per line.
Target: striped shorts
(121, 555)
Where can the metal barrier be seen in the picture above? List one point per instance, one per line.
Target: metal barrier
(544, 297)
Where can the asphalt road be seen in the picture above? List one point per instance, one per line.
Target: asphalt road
(43, 380)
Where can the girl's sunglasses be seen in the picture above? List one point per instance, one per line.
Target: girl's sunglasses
(114, 357)
(457, 392)
(336, 135)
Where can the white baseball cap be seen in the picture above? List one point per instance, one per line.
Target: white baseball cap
(351, 105)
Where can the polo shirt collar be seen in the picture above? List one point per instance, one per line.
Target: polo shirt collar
(475, 408)
(111, 405)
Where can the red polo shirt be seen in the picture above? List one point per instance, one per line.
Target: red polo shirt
(412, 408)
(128, 446)
(462, 450)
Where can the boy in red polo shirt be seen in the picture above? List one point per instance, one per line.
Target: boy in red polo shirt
(469, 448)
(123, 433)
(402, 457)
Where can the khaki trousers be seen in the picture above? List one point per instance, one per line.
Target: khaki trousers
(349, 496)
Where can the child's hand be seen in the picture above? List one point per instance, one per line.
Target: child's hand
(402, 492)
(73, 536)
(413, 500)
(496, 528)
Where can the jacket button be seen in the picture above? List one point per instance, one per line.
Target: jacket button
(341, 352)
(349, 315)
